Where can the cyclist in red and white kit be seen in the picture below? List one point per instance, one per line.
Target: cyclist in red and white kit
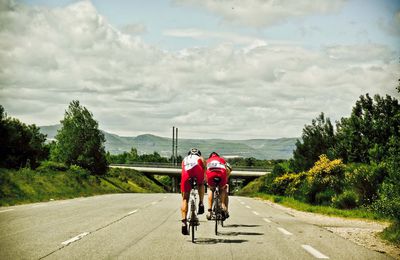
(218, 167)
(193, 165)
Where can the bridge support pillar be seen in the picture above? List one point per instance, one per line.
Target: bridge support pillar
(175, 185)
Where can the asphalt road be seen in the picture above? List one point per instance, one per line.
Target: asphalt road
(147, 226)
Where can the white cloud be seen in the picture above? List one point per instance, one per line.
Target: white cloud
(52, 56)
(260, 13)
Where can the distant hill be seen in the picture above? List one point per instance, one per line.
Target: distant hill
(281, 148)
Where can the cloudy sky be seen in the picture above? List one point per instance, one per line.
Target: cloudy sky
(215, 69)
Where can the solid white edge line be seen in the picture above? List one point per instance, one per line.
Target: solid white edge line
(76, 238)
(132, 212)
(38, 206)
(267, 220)
(284, 231)
(314, 252)
(256, 213)
(6, 210)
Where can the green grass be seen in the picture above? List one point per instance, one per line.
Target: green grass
(325, 210)
(392, 233)
(27, 186)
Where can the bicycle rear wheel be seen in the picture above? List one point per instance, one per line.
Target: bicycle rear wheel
(192, 227)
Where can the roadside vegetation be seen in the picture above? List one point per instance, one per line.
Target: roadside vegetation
(352, 170)
(75, 165)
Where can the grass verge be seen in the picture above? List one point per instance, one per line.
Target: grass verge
(325, 210)
(392, 233)
(44, 184)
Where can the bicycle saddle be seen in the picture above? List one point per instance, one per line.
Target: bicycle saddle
(217, 180)
(193, 181)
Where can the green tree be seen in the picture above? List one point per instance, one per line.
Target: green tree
(363, 137)
(317, 138)
(21, 145)
(79, 141)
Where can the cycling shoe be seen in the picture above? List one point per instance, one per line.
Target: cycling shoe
(201, 209)
(185, 230)
(209, 214)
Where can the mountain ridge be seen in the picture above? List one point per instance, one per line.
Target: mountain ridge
(280, 148)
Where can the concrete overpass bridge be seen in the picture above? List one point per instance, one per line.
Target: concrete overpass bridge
(239, 176)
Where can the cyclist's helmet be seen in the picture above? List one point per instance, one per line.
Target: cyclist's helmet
(194, 151)
(213, 153)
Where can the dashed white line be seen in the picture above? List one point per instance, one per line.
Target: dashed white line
(132, 212)
(154, 202)
(69, 241)
(6, 210)
(242, 202)
(165, 197)
(267, 220)
(248, 207)
(256, 213)
(314, 252)
(284, 231)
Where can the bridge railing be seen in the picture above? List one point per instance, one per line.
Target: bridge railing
(168, 165)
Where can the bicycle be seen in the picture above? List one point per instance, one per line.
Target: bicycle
(192, 213)
(217, 211)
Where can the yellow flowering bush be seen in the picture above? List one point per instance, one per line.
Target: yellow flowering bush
(324, 180)
(288, 183)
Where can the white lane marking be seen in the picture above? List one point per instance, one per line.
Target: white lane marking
(267, 220)
(154, 202)
(242, 202)
(248, 207)
(314, 252)
(6, 210)
(165, 197)
(69, 241)
(284, 231)
(256, 213)
(132, 212)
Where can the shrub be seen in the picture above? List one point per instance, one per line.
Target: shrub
(79, 171)
(347, 200)
(324, 197)
(278, 170)
(389, 200)
(280, 184)
(366, 180)
(325, 175)
(52, 166)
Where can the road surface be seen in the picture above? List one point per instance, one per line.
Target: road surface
(147, 226)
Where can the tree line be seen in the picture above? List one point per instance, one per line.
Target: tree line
(355, 163)
(79, 142)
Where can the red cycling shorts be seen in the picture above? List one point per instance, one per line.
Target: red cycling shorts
(197, 172)
(220, 174)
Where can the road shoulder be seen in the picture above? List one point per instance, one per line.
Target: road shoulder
(361, 232)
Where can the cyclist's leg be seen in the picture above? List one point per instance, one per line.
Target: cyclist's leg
(184, 210)
(210, 200)
(223, 198)
(184, 207)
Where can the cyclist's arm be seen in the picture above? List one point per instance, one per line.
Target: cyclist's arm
(228, 169)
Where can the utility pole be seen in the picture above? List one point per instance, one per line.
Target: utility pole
(173, 144)
(176, 146)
